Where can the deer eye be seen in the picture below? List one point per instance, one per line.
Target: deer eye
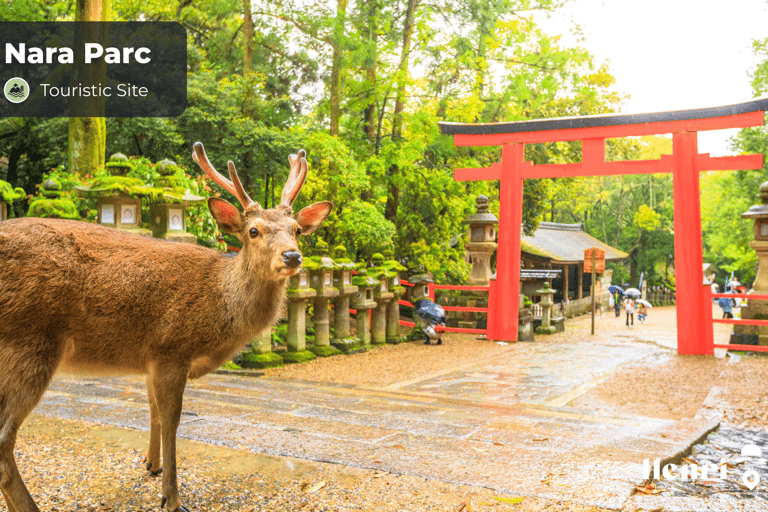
(254, 232)
(298, 231)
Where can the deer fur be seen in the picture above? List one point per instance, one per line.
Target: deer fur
(82, 297)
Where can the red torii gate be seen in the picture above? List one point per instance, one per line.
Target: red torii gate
(694, 328)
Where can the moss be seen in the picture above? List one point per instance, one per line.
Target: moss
(298, 357)
(53, 209)
(261, 361)
(325, 351)
(230, 365)
(10, 194)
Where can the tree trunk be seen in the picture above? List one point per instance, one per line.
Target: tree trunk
(336, 65)
(88, 135)
(370, 114)
(393, 199)
(247, 57)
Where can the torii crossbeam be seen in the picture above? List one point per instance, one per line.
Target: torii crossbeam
(694, 328)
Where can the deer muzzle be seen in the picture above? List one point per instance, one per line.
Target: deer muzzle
(292, 259)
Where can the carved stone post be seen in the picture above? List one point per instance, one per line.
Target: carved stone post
(362, 302)
(298, 293)
(321, 280)
(342, 281)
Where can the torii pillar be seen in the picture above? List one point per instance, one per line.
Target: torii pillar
(694, 328)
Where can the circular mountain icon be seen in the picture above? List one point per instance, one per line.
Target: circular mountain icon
(16, 90)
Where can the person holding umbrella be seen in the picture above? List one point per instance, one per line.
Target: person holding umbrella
(642, 312)
(616, 293)
(629, 307)
(430, 315)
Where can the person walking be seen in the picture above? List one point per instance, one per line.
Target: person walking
(629, 307)
(617, 303)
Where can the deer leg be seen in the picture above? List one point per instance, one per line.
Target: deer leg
(168, 382)
(8, 502)
(153, 452)
(25, 376)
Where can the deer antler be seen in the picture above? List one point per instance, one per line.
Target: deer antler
(233, 186)
(295, 178)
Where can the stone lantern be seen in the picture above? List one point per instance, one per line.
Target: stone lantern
(298, 293)
(383, 297)
(118, 197)
(168, 214)
(362, 301)
(420, 289)
(756, 309)
(321, 280)
(342, 281)
(546, 310)
(482, 243)
(51, 205)
(393, 309)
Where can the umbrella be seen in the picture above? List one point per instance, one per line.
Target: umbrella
(431, 312)
(632, 292)
(644, 302)
(613, 289)
(724, 302)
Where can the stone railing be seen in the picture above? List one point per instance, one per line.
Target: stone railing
(660, 295)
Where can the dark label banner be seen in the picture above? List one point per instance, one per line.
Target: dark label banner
(91, 69)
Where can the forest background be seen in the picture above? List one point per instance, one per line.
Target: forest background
(361, 85)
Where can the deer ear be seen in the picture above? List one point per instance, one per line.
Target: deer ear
(226, 215)
(311, 217)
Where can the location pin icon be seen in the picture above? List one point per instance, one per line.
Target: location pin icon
(750, 479)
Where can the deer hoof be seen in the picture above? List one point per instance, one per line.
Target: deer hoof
(153, 473)
(180, 508)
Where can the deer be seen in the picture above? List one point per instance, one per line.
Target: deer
(80, 297)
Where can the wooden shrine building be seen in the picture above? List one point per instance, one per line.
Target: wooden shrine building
(561, 246)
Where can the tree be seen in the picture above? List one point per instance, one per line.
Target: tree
(87, 135)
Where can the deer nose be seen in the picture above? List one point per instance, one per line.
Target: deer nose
(292, 258)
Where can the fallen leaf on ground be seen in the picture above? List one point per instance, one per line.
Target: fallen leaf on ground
(315, 487)
(647, 489)
(504, 499)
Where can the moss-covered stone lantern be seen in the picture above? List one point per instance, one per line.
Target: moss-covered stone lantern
(482, 243)
(420, 281)
(383, 297)
(756, 309)
(118, 196)
(51, 205)
(167, 211)
(342, 281)
(320, 268)
(298, 293)
(8, 195)
(362, 301)
(393, 308)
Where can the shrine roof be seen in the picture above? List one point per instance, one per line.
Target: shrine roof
(603, 120)
(565, 243)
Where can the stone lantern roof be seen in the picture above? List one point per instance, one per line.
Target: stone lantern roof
(482, 216)
(759, 210)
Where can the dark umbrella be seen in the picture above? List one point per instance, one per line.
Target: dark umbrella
(431, 312)
(632, 292)
(613, 289)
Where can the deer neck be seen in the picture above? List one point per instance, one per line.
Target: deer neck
(254, 299)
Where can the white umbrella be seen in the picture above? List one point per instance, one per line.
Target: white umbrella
(644, 302)
(632, 292)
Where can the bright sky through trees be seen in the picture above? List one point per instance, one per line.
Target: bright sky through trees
(672, 54)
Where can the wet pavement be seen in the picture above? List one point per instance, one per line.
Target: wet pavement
(501, 423)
